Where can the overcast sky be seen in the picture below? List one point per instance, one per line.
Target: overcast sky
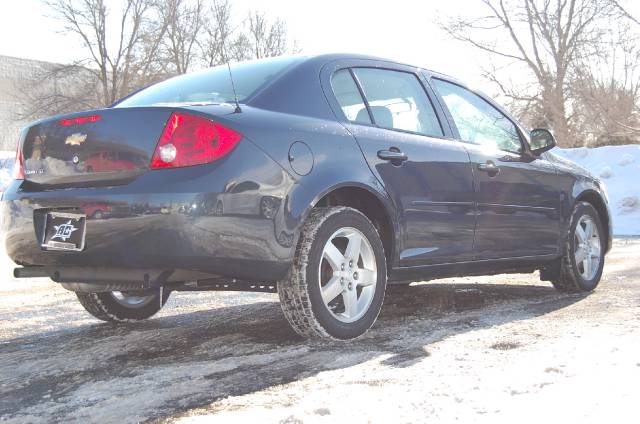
(398, 29)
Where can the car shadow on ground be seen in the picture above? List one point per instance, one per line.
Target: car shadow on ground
(241, 349)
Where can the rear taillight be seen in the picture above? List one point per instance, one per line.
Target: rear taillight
(18, 166)
(189, 140)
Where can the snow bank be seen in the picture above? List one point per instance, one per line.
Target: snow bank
(6, 165)
(619, 169)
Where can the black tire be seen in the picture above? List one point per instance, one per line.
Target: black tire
(568, 279)
(106, 307)
(300, 294)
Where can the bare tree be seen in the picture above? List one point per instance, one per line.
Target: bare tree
(254, 38)
(607, 89)
(54, 89)
(549, 38)
(625, 12)
(129, 63)
(184, 20)
(217, 44)
(142, 42)
(267, 38)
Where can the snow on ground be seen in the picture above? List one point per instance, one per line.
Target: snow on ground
(6, 166)
(619, 169)
(505, 348)
(477, 349)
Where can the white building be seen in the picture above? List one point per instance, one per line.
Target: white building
(15, 76)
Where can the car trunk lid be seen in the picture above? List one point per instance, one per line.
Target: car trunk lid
(107, 145)
(100, 147)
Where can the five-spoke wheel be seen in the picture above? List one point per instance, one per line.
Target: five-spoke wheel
(588, 247)
(581, 266)
(348, 274)
(123, 306)
(336, 285)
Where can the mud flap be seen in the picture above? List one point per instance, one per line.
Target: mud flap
(550, 271)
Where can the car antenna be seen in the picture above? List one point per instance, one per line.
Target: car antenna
(233, 86)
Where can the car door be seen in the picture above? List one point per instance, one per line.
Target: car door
(518, 202)
(428, 177)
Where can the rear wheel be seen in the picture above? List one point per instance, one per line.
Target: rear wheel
(123, 306)
(583, 261)
(337, 281)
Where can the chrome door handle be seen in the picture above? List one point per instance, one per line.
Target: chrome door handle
(393, 155)
(489, 167)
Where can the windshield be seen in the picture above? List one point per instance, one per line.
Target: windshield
(212, 85)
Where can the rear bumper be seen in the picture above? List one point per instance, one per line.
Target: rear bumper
(192, 219)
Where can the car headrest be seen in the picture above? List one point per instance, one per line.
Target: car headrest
(382, 116)
(363, 115)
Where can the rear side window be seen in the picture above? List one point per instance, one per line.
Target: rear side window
(478, 122)
(397, 100)
(349, 98)
(212, 85)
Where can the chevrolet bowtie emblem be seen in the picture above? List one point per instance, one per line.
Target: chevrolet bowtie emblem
(75, 139)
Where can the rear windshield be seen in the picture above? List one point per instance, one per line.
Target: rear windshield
(212, 85)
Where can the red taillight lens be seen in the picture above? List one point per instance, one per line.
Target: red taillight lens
(79, 120)
(192, 140)
(18, 166)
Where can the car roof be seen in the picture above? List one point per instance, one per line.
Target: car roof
(318, 61)
(332, 57)
(305, 95)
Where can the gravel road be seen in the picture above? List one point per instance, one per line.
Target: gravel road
(482, 349)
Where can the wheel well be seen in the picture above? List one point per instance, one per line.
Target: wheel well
(370, 206)
(596, 201)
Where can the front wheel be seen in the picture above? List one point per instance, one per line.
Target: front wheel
(583, 261)
(123, 306)
(337, 281)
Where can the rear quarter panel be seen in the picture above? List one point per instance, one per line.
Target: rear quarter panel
(337, 159)
(294, 108)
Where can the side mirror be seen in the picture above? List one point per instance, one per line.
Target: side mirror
(541, 141)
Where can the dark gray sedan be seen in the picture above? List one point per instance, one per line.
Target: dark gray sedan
(323, 178)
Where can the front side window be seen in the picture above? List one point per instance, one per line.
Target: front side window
(349, 98)
(397, 100)
(478, 122)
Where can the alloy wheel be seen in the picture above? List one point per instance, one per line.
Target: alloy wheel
(132, 299)
(348, 274)
(588, 248)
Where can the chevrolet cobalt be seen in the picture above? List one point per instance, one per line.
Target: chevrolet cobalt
(321, 178)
